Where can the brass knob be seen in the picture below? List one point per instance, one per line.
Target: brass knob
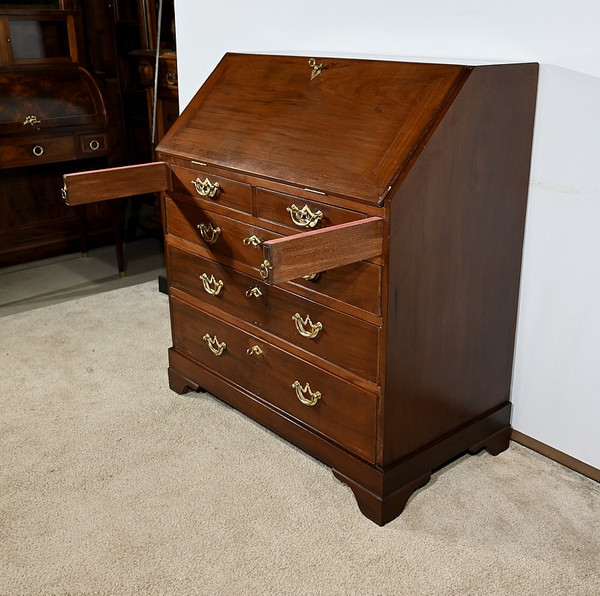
(94, 145)
(38, 150)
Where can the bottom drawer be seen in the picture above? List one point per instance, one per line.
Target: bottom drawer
(335, 408)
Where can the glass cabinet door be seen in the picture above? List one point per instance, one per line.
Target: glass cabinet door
(39, 39)
(37, 36)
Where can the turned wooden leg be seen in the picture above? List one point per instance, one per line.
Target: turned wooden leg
(494, 444)
(181, 384)
(382, 510)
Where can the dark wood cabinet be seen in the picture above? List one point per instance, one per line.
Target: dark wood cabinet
(53, 119)
(344, 246)
(71, 99)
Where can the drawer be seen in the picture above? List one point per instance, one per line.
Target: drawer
(92, 144)
(300, 214)
(37, 151)
(341, 411)
(205, 184)
(218, 236)
(357, 284)
(339, 338)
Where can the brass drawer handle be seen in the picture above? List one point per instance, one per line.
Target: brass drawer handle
(38, 150)
(211, 285)
(265, 267)
(312, 277)
(206, 188)
(255, 291)
(253, 240)
(304, 217)
(215, 346)
(254, 350)
(94, 145)
(302, 324)
(208, 233)
(313, 397)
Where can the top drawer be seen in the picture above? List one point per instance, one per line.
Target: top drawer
(205, 184)
(300, 214)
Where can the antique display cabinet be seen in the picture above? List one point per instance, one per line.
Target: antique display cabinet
(344, 245)
(52, 120)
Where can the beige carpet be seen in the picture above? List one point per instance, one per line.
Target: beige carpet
(112, 484)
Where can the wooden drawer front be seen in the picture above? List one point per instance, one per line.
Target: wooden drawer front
(38, 151)
(91, 145)
(299, 214)
(221, 237)
(358, 284)
(344, 413)
(201, 183)
(329, 334)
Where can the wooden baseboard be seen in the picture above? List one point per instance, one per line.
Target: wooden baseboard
(556, 455)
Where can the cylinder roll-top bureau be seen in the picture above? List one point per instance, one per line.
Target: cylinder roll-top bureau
(343, 242)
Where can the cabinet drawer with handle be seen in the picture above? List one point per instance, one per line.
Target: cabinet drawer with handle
(207, 185)
(327, 333)
(217, 236)
(38, 151)
(333, 407)
(92, 145)
(301, 214)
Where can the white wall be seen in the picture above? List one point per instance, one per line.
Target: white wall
(556, 386)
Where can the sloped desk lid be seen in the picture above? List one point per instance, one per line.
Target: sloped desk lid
(56, 97)
(350, 130)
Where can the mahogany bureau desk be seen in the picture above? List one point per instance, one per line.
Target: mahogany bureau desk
(343, 242)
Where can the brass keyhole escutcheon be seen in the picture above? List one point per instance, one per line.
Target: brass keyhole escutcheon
(253, 240)
(255, 291)
(316, 68)
(31, 120)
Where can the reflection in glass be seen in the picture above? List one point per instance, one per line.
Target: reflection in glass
(39, 39)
